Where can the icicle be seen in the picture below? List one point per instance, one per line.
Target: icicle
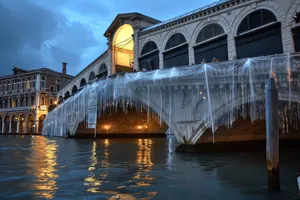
(170, 111)
(289, 71)
(209, 103)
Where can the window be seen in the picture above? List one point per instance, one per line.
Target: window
(175, 40)
(50, 101)
(8, 86)
(256, 19)
(208, 32)
(57, 88)
(149, 59)
(43, 82)
(176, 53)
(259, 34)
(102, 71)
(51, 89)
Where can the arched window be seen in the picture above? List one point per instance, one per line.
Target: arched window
(102, 71)
(74, 89)
(176, 51)
(211, 44)
(60, 99)
(92, 76)
(259, 34)
(82, 82)
(296, 37)
(67, 95)
(149, 59)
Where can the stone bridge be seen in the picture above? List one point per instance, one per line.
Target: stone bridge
(189, 99)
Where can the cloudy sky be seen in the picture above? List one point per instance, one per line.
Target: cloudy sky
(43, 33)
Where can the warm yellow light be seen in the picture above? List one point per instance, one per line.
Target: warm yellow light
(106, 127)
(123, 46)
(145, 126)
(55, 102)
(139, 127)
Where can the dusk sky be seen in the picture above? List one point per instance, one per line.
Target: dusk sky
(43, 33)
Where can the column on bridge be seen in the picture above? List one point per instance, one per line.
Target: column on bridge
(161, 60)
(137, 30)
(18, 124)
(9, 130)
(3, 124)
(191, 55)
(110, 64)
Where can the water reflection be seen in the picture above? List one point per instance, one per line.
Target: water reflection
(92, 182)
(43, 166)
(145, 164)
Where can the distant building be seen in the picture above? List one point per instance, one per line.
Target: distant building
(224, 30)
(25, 97)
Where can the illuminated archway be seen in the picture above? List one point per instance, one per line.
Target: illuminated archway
(123, 48)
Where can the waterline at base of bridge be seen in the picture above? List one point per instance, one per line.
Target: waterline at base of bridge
(235, 146)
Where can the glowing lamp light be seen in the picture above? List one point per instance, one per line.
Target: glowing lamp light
(55, 102)
(106, 127)
(139, 127)
(203, 97)
(145, 126)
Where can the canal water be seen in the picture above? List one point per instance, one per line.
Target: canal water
(57, 168)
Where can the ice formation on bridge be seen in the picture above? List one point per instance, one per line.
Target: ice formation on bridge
(189, 99)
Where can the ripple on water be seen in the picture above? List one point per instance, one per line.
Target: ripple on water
(55, 168)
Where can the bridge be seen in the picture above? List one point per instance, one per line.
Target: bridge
(189, 99)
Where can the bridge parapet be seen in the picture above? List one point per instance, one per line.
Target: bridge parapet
(189, 99)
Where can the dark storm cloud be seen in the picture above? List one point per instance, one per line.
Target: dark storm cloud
(33, 36)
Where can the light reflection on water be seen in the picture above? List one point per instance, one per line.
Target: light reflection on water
(43, 166)
(58, 168)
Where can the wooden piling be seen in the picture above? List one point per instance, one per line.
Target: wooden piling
(272, 135)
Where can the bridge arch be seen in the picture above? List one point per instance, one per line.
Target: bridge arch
(178, 96)
(149, 58)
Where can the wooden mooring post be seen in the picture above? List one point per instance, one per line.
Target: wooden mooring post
(272, 135)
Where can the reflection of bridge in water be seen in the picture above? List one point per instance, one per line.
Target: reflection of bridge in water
(190, 99)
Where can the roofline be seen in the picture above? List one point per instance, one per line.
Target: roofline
(37, 71)
(128, 15)
(91, 64)
(193, 12)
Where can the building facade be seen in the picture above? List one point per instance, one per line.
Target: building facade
(224, 30)
(25, 97)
